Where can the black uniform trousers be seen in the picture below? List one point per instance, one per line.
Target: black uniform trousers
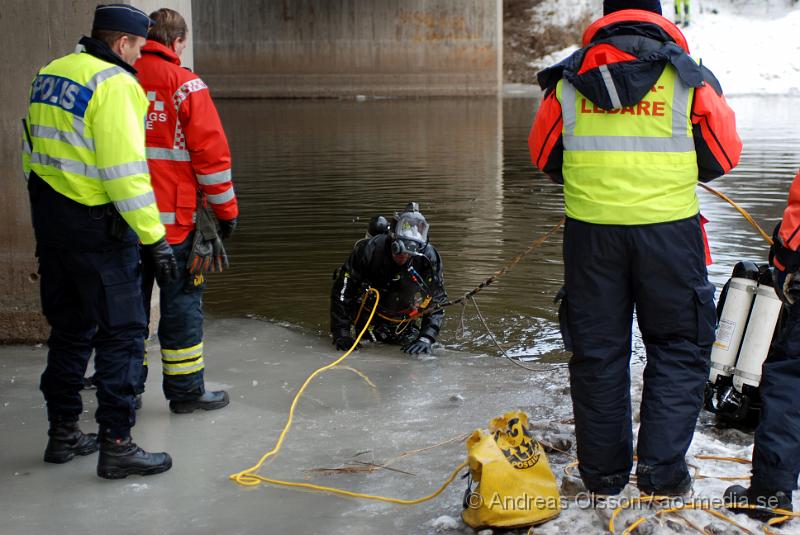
(91, 296)
(776, 456)
(660, 271)
(181, 323)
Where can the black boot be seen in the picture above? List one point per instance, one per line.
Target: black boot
(681, 488)
(120, 458)
(741, 500)
(66, 441)
(209, 401)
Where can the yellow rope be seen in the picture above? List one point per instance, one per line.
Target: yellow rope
(249, 477)
(694, 505)
(708, 509)
(741, 210)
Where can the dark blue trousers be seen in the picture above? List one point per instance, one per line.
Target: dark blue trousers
(91, 297)
(180, 326)
(658, 270)
(776, 456)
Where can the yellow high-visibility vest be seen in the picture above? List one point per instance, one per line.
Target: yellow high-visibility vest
(86, 124)
(631, 165)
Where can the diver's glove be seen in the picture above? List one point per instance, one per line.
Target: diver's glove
(420, 345)
(343, 343)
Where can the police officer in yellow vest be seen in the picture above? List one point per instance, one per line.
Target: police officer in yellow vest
(92, 204)
(629, 124)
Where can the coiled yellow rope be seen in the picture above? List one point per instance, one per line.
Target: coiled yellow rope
(249, 477)
(698, 506)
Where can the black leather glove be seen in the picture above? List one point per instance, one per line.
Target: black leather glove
(420, 345)
(343, 343)
(226, 228)
(164, 263)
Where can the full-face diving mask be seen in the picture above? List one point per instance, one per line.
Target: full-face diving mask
(410, 235)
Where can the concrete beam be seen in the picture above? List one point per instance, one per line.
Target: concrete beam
(318, 48)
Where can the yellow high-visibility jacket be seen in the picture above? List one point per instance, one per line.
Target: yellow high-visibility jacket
(634, 165)
(86, 125)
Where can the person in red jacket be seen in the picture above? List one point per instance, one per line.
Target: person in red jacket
(776, 452)
(190, 163)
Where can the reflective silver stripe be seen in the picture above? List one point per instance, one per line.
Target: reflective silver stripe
(123, 170)
(175, 155)
(64, 164)
(680, 101)
(569, 99)
(90, 171)
(221, 198)
(25, 147)
(610, 87)
(102, 76)
(629, 143)
(72, 138)
(134, 203)
(169, 218)
(678, 142)
(746, 375)
(215, 178)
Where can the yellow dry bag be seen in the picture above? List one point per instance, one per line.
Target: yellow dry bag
(515, 486)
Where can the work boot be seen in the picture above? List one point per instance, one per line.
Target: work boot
(740, 500)
(683, 488)
(121, 457)
(67, 440)
(208, 401)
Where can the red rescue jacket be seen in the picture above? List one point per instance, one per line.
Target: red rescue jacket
(187, 150)
(785, 253)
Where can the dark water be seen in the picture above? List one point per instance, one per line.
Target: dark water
(310, 174)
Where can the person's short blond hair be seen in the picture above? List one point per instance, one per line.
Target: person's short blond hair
(169, 25)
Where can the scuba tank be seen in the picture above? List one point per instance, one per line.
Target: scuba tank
(734, 309)
(732, 392)
(758, 337)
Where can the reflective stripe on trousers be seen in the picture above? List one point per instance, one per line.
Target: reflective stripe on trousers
(182, 361)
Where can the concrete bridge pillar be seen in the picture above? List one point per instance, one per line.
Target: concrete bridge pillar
(35, 32)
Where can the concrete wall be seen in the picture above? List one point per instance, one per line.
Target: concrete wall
(34, 32)
(309, 48)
